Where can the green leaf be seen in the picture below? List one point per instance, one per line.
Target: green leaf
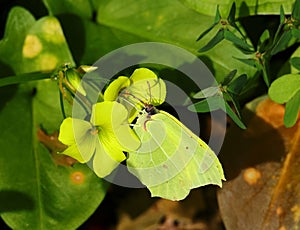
(264, 41)
(42, 194)
(214, 41)
(19, 21)
(234, 102)
(51, 195)
(296, 10)
(284, 42)
(229, 77)
(150, 20)
(282, 15)
(206, 31)
(284, 88)
(45, 47)
(295, 61)
(237, 84)
(233, 116)
(244, 8)
(214, 103)
(216, 22)
(230, 36)
(250, 61)
(208, 92)
(81, 8)
(231, 15)
(292, 110)
(207, 105)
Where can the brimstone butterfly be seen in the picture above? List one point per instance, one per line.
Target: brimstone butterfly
(171, 159)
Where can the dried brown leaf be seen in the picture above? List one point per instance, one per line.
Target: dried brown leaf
(263, 168)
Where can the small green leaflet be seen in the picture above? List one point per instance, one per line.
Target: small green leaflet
(171, 159)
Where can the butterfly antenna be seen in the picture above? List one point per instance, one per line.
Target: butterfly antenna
(149, 87)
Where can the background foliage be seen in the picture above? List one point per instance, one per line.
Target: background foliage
(40, 191)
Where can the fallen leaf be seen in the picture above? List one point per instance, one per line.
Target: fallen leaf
(262, 165)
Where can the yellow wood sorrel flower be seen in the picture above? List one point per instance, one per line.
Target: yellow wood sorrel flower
(104, 138)
(142, 87)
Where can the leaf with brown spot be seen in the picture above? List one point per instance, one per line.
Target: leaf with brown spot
(263, 168)
(52, 143)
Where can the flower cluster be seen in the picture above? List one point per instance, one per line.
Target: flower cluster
(107, 135)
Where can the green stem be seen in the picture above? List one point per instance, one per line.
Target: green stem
(24, 78)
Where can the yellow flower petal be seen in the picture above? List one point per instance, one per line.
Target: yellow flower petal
(106, 113)
(78, 135)
(73, 152)
(104, 163)
(142, 74)
(67, 127)
(112, 91)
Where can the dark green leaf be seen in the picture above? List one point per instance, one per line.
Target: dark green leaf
(149, 20)
(251, 61)
(229, 77)
(49, 195)
(207, 105)
(235, 104)
(52, 196)
(230, 36)
(208, 92)
(231, 16)
(244, 8)
(283, 42)
(282, 15)
(18, 23)
(218, 15)
(296, 10)
(265, 72)
(264, 41)
(77, 7)
(295, 62)
(237, 84)
(214, 41)
(233, 116)
(296, 34)
(292, 108)
(206, 31)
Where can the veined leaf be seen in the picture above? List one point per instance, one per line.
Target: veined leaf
(150, 20)
(78, 7)
(38, 193)
(250, 7)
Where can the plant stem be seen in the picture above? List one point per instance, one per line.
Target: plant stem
(24, 78)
